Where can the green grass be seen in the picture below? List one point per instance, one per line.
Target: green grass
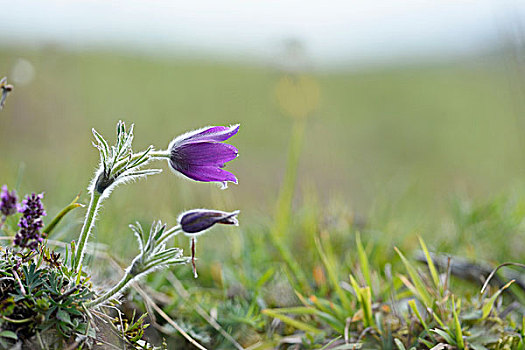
(433, 151)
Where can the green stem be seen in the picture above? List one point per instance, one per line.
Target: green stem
(118, 288)
(160, 154)
(24, 320)
(152, 154)
(89, 222)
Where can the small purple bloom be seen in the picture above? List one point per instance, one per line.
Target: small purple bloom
(8, 202)
(31, 222)
(200, 155)
(196, 221)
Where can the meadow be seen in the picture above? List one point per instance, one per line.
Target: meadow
(388, 154)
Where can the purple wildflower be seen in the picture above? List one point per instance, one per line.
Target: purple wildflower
(200, 155)
(31, 222)
(8, 202)
(196, 221)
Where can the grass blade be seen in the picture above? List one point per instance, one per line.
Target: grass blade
(366, 304)
(363, 260)
(332, 275)
(420, 287)
(431, 266)
(459, 334)
(292, 322)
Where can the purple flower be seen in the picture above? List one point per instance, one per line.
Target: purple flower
(196, 221)
(200, 155)
(8, 201)
(31, 222)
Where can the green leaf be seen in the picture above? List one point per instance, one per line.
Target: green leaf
(474, 346)
(363, 260)
(457, 325)
(399, 344)
(141, 158)
(332, 275)
(426, 342)
(140, 173)
(349, 346)
(8, 334)
(297, 310)
(292, 322)
(420, 287)
(366, 304)
(51, 226)
(63, 315)
(330, 343)
(415, 310)
(444, 335)
(472, 315)
(490, 302)
(482, 335)
(431, 266)
(264, 278)
(102, 141)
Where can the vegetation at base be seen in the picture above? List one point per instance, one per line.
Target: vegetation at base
(42, 306)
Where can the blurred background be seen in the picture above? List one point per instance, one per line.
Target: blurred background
(404, 105)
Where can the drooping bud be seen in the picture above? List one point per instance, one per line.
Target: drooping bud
(196, 221)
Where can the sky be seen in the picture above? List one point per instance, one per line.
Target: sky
(332, 32)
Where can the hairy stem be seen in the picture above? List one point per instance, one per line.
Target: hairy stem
(112, 292)
(89, 222)
(160, 154)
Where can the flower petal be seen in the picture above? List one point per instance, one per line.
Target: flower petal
(203, 153)
(208, 174)
(215, 133)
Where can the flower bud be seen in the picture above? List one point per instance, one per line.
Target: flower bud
(196, 221)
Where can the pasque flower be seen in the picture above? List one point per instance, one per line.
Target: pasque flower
(31, 222)
(196, 221)
(200, 155)
(8, 202)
